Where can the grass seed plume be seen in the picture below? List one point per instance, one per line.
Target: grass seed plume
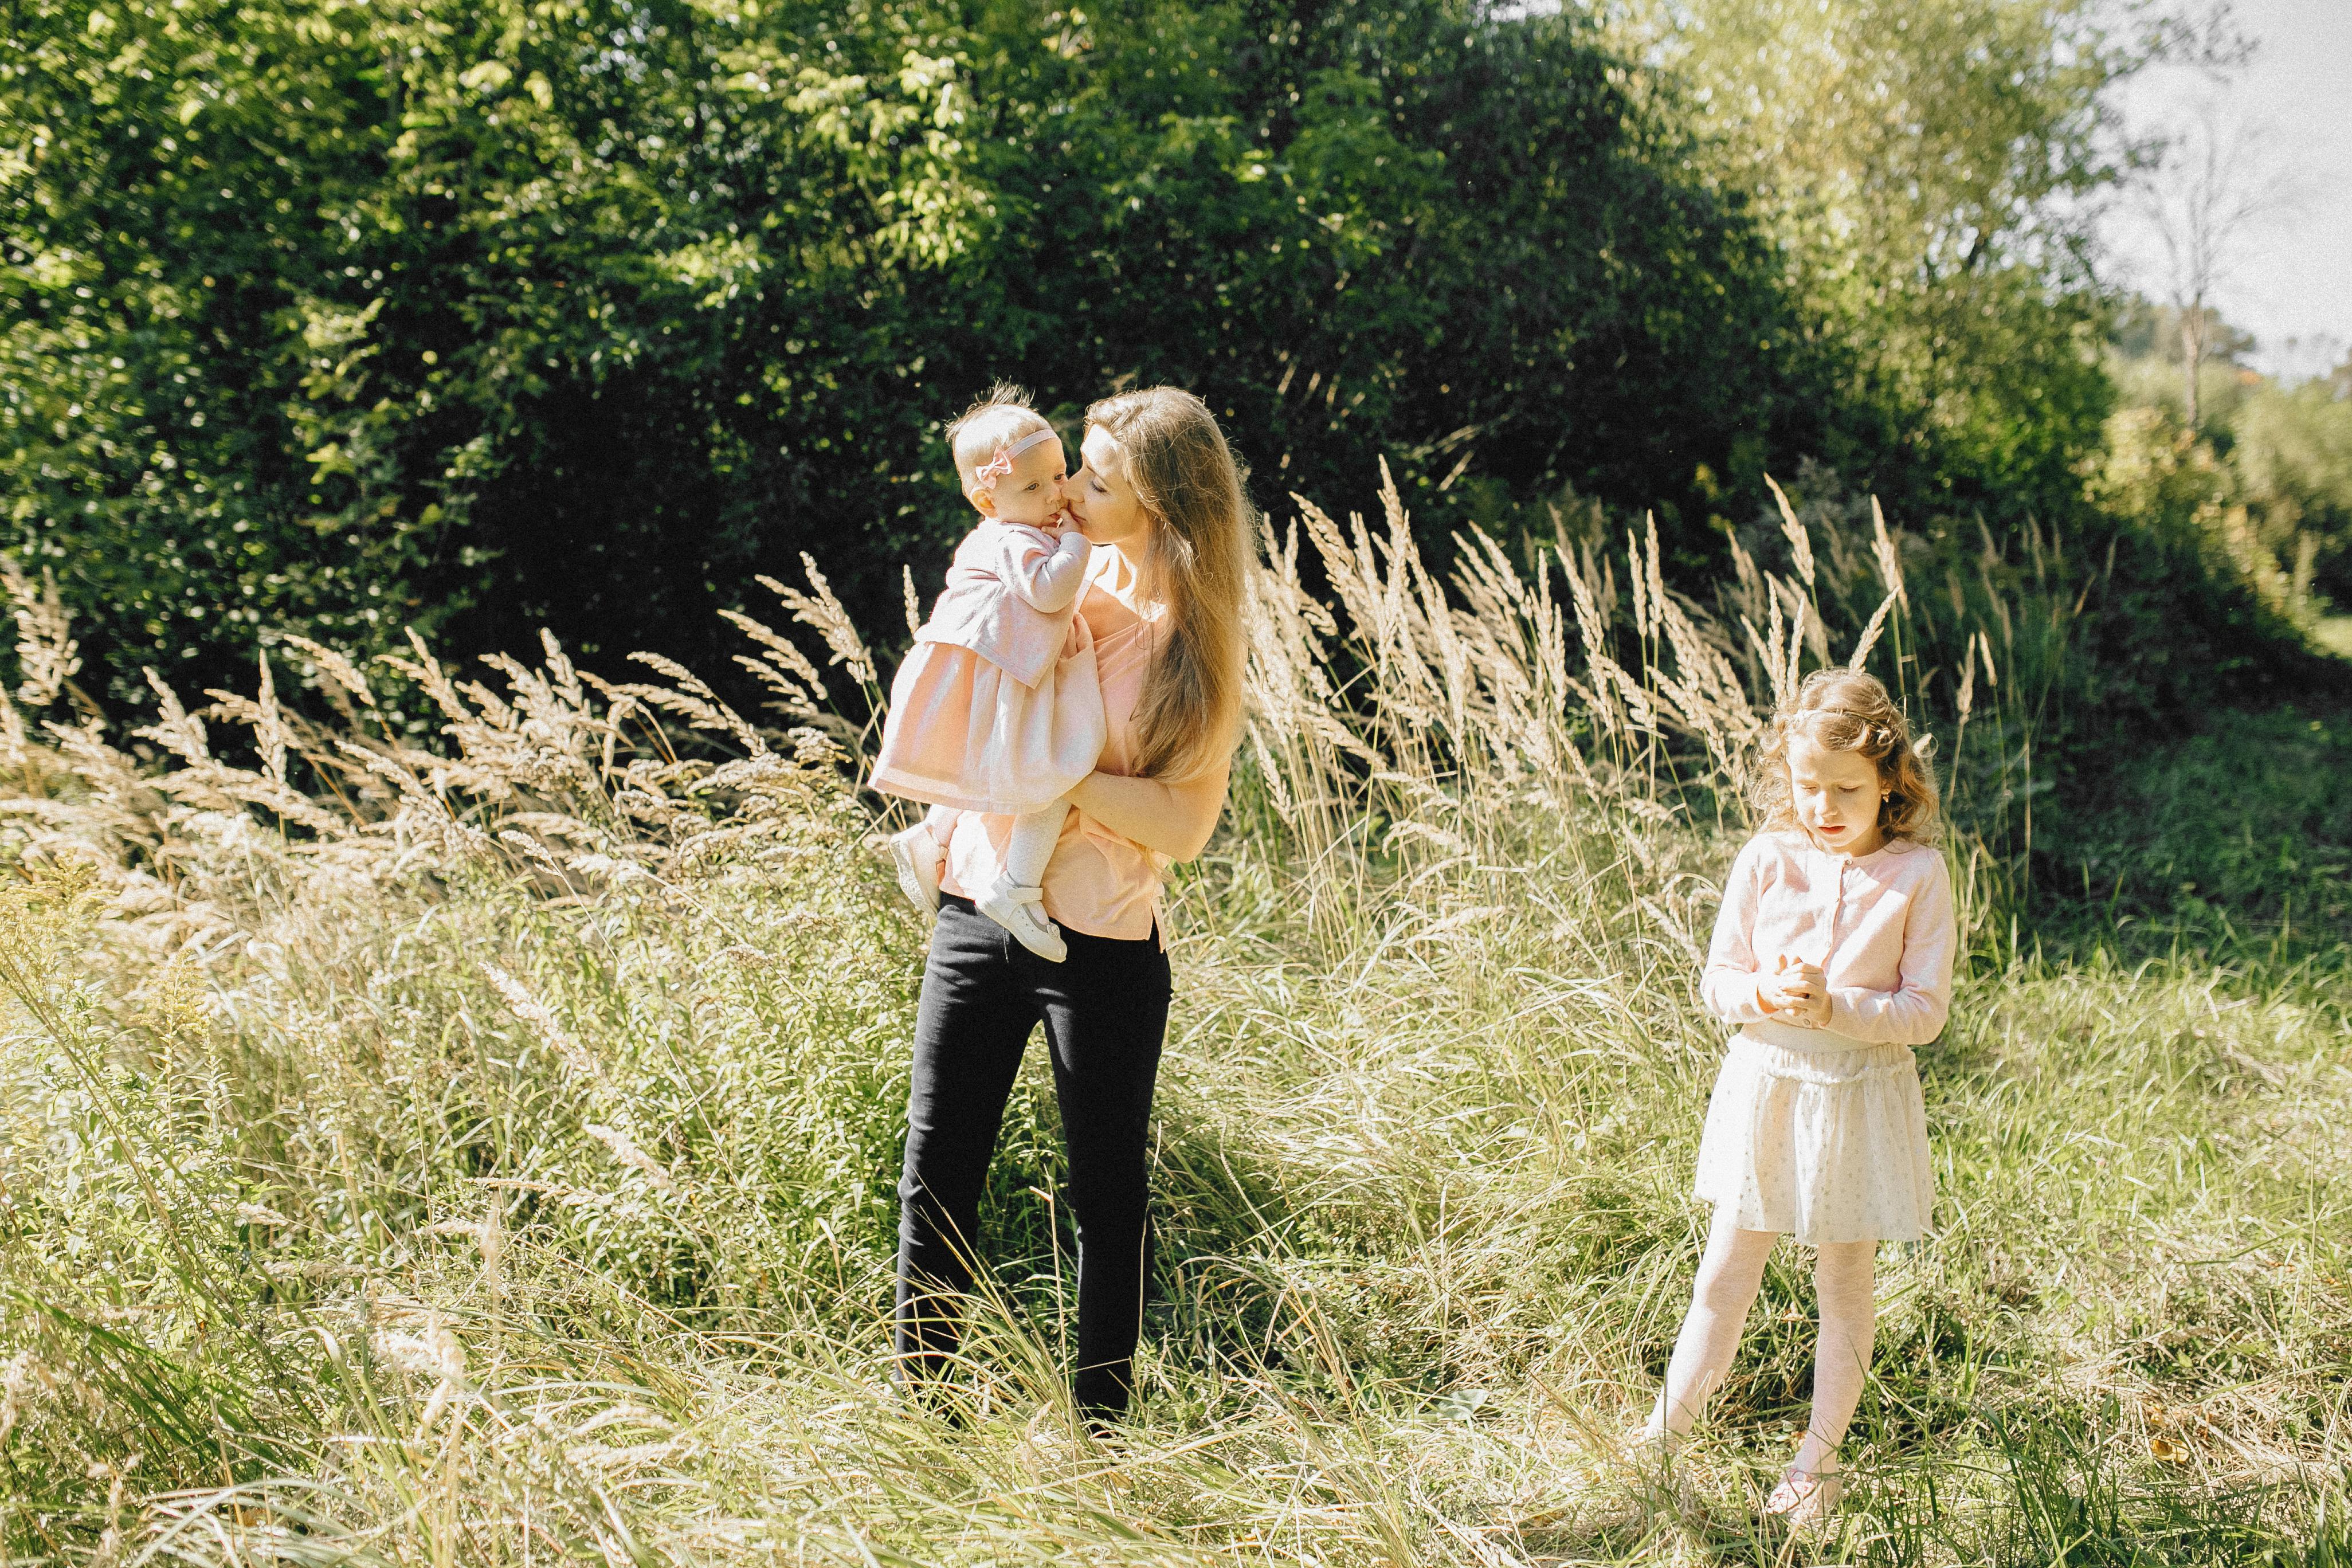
(483, 1151)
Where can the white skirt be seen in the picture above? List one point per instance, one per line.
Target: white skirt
(1825, 1144)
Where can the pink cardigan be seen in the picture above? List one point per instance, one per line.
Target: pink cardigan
(1880, 925)
(1011, 591)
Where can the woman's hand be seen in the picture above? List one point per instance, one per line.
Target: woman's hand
(1176, 819)
(1798, 990)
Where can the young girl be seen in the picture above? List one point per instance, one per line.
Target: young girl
(1834, 955)
(998, 708)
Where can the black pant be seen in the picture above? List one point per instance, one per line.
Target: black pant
(1105, 1018)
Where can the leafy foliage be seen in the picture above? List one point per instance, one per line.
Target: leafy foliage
(2266, 476)
(179, 186)
(492, 316)
(442, 338)
(1925, 161)
(2292, 449)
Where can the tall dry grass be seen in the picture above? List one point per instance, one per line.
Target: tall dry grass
(481, 1151)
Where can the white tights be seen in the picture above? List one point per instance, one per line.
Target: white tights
(1729, 1276)
(1035, 836)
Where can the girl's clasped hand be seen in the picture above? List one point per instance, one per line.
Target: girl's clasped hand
(1794, 991)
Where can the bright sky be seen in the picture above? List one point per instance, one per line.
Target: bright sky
(2290, 284)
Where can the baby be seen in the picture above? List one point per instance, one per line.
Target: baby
(998, 707)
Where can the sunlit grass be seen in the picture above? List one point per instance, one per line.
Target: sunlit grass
(498, 1169)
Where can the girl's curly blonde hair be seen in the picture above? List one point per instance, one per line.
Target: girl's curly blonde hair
(1847, 710)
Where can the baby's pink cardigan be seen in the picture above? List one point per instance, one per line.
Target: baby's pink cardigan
(1880, 925)
(1011, 591)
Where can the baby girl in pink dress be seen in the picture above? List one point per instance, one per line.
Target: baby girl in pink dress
(998, 707)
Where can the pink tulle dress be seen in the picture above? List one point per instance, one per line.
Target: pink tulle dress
(998, 707)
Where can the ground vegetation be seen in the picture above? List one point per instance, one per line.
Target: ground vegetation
(487, 1156)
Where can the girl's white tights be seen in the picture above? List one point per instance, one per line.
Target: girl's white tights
(1729, 1275)
(1034, 834)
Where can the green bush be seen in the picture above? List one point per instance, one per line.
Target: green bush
(2292, 449)
(490, 316)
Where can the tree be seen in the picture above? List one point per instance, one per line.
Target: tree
(2203, 203)
(1925, 163)
(342, 320)
(171, 270)
(496, 314)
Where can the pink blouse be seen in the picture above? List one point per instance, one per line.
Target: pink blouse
(1880, 925)
(1099, 882)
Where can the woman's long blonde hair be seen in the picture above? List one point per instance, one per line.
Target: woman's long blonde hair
(1196, 566)
(1848, 710)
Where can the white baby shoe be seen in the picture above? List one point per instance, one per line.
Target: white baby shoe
(1022, 912)
(918, 856)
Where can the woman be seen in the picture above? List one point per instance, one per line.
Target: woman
(1160, 496)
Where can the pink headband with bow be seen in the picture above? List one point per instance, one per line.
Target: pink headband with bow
(1000, 465)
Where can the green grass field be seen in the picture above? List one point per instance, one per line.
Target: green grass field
(514, 1184)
